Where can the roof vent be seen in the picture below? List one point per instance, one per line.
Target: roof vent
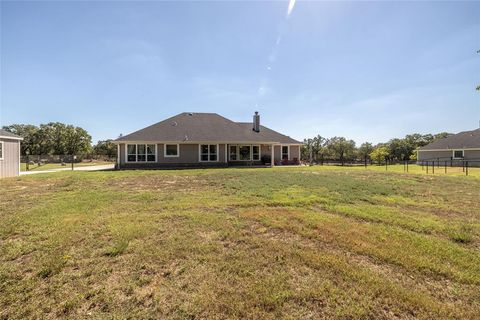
(186, 138)
(174, 123)
(190, 114)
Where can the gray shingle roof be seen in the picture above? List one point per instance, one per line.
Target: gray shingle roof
(462, 140)
(205, 127)
(4, 133)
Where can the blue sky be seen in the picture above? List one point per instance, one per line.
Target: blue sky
(369, 71)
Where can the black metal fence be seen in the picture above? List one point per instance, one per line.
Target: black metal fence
(448, 164)
(428, 166)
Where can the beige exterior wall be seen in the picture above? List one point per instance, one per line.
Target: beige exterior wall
(431, 155)
(445, 155)
(472, 154)
(188, 154)
(295, 153)
(10, 165)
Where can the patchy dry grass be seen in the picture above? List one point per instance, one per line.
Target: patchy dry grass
(240, 243)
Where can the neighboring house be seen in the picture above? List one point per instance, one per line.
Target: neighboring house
(457, 149)
(9, 154)
(205, 139)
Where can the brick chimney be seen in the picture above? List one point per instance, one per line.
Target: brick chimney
(256, 122)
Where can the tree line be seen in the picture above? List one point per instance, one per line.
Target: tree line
(56, 138)
(320, 149)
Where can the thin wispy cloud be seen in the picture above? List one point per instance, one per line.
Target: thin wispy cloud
(291, 4)
(272, 57)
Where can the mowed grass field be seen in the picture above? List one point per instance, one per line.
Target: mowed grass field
(294, 243)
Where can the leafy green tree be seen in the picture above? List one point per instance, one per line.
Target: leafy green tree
(77, 140)
(379, 154)
(29, 134)
(341, 149)
(364, 151)
(105, 148)
(52, 138)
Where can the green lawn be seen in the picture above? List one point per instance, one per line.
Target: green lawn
(52, 166)
(297, 243)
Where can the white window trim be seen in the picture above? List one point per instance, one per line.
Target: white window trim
(281, 152)
(136, 152)
(200, 152)
(463, 154)
(165, 150)
(3, 150)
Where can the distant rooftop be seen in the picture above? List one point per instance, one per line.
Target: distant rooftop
(462, 140)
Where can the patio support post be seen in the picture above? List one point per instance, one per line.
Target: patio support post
(272, 156)
(118, 156)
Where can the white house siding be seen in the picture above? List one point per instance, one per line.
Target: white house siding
(10, 165)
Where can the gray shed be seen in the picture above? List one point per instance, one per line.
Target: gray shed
(9, 154)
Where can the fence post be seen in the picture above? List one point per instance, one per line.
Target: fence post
(433, 166)
(427, 167)
(463, 166)
(407, 166)
(438, 162)
(445, 167)
(386, 165)
(466, 169)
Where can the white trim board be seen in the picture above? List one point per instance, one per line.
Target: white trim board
(11, 138)
(436, 150)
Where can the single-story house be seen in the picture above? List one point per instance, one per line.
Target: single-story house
(455, 149)
(204, 140)
(9, 154)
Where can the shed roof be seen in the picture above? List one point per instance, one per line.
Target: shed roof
(8, 135)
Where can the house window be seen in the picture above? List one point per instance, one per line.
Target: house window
(151, 152)
(141, 153)
(256, 153)
(233, 153)
(244, 152)
(171, 150)
(131, 152)
(208, 152)
(458, 154)
(285, 152)
(1, 150)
